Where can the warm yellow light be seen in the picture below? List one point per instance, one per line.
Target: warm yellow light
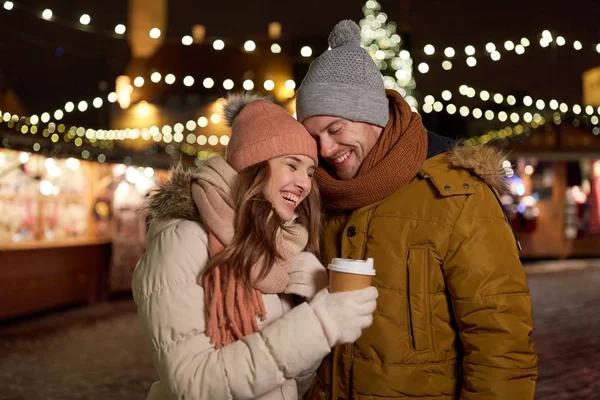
(269, 85)
(290, 84)
(143, 109)
(274, 30)
(85, 19)
(47, 14)
(275, 48)
(188, 81)
(155, 77)
(208, 83)
(306, 51)
(249, 45)
(120, 29)
(170, 79)
(155, 33)
(202, 122)
(123, 89)
(429, 49)
(218, 44)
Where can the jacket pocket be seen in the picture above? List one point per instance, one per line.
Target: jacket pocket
(419, 310)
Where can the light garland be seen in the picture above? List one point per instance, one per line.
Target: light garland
(498, 98)
(99, 138)
(528, 101)
(120, 30)
(494, 52)
(506, 132)
(155, 78)
(534, 120)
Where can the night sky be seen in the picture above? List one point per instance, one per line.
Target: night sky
(50, 63)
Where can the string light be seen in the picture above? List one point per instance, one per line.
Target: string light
(154, 33)
(8, 5)
(188, 81)
(249, 46)
(228, 84)
(275, 48)
(187, 40)
(47, 14)
(449, 52)
(208, 83)
(85, 19)
(155, 77)
(120, 29)
(170, 79)
(306, 51)
(269, 85)
(429, 50)
(218, 44)
(290, 84)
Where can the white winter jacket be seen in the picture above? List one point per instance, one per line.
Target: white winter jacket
(276, 363)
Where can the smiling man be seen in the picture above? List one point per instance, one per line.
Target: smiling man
(453, 318)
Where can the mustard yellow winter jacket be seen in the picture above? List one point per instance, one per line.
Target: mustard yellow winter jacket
(453, 318)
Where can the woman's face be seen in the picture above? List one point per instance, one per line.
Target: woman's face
(289, 182)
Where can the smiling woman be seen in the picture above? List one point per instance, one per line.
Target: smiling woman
(231, 251)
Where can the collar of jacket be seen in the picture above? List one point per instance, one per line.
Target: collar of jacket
(453, 172)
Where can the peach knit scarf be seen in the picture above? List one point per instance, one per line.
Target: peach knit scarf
(232, 309)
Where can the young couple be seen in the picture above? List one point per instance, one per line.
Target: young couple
(234, 300)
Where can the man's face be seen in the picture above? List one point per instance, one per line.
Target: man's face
(343, 144)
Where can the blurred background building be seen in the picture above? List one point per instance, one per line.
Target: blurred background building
(99, 99)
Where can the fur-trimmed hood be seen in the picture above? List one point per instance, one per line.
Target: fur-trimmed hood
(173, 198)
(484, 161)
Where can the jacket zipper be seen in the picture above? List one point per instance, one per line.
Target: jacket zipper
(410, 327)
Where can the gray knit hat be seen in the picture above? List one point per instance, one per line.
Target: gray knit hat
(344, 81)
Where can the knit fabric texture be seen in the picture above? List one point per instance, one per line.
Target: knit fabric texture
(261, 130)
(344, 82)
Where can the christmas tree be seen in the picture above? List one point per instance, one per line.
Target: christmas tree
(379, 37)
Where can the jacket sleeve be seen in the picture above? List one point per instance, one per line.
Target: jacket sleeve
(491, 303)
(171, 308)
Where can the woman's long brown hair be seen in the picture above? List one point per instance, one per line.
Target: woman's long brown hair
(256, 232)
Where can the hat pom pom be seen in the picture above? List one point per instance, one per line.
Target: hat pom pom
(346, 31)
(236, 102)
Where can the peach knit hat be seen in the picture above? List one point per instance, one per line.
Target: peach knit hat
(261, 130)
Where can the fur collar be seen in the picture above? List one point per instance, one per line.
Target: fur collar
(484, 161)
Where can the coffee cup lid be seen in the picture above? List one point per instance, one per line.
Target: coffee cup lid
(359, 267)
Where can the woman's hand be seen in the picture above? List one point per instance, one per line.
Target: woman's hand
(307, 275)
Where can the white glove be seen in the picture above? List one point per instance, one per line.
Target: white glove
(344, 315)
(307, 275)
